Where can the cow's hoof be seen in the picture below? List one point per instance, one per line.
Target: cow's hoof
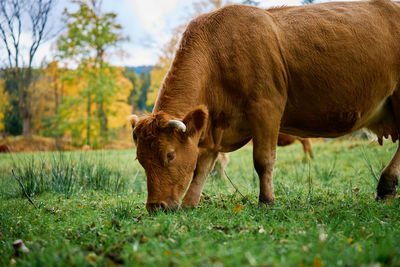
(266, 201)
(187, 205)
(184, 207)
(384, 198)
(386, 188)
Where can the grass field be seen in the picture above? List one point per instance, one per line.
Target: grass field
(91, 212)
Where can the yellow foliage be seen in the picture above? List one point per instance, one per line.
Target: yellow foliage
(4, 103)
(115, 104)
(118, 106)
(156, 77)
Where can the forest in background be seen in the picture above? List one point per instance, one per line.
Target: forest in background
(78, 96)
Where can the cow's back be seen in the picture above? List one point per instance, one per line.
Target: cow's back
(342, 60)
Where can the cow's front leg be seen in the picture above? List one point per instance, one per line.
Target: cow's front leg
(205, 164)
(265, 123)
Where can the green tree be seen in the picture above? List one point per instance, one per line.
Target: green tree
(91, 33)
(135, 93)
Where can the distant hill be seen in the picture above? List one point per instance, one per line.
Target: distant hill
(139, 69)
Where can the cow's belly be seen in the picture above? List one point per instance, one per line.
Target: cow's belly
(314, 121)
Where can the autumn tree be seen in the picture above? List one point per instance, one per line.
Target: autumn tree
(90, 35)
(48, 87)
(4, 104)
(18, 17)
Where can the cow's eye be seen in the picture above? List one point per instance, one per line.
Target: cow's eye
(171, 156)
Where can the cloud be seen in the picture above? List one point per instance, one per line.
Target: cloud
(152, 16)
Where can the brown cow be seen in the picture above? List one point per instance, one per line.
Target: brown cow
(4, 148)
(242, 73)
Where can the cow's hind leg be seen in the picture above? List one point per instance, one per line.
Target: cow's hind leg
(223, 162)
(205, 164)
(386, 188)
(306, 148)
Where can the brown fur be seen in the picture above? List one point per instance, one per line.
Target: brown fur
(318, 70)
(4, 148)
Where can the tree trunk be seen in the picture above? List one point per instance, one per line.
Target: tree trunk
(56, 126)
(24, 103)
(103, 122)
(88, 111)
(26, 126)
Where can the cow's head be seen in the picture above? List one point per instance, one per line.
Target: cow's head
(167, 149)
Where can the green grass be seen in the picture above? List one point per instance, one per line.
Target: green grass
(91, 212)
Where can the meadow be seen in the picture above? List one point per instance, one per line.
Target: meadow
(90, 211)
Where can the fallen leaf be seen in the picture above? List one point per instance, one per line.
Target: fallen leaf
(284, 241)
(91, 257)
(317, 262)
(355, 190)
(238, 208)
(143, 239)
(370, 235)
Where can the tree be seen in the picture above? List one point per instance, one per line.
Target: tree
(4, 104)
(135, 93)
(90, 35)
(48, 97)
(14, 17)
(307, 2)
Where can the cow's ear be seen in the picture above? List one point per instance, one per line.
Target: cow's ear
(196, 120)
(133, 119)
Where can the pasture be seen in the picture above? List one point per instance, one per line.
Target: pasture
(91, 212)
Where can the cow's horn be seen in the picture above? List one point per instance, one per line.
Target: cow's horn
(177, 125)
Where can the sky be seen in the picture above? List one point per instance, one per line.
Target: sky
(147, 23)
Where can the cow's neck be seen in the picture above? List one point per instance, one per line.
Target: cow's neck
(183, 87)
